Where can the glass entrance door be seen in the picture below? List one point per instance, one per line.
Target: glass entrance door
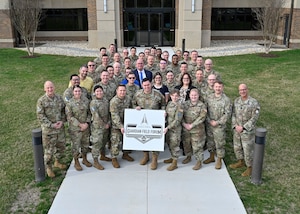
(146, 26)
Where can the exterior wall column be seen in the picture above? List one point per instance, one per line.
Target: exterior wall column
(106, 27)
(6, 29)
(206, 23)
(189, 24)
(295, 28)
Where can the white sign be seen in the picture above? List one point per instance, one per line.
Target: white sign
(144, 130)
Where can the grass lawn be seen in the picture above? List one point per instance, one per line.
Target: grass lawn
(272, 81)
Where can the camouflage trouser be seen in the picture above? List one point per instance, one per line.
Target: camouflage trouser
(116, 138)
(173, 138)
(193, 143)
(216, 140)
(80, 140)
(54, 146)
(243, 144)
(99, 138)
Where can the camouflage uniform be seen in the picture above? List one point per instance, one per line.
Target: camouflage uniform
(202, 87)
(154, 100)
(68, 94)
(118, 79)
(95, 76)
(108, 89)
(77, 112)
(206, 74)
(49, 111)
(174, 69)
(245, 113)
(219, 110)
(173, 137)
(131, 90)
(206, 92)
(153, 68)
(116, 108)
(171, 85)
(194, 139)
(100, 118)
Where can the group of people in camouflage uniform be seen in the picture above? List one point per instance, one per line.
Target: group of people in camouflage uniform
(187, 88)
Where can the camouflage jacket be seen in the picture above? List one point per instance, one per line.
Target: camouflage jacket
(131, 90)
(78, 111)
(245, 113)
(109, 90)
(174, 115)
(218, 109)
(154, 100)
(116, 108)
(100, 113)
(195, 115)
(49, 111)
(68, 94)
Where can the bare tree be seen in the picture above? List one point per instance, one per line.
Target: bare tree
(268, 17)
(25, 16)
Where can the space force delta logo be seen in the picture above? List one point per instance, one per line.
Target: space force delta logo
(144, 132)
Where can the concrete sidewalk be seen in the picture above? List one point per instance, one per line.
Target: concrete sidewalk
(136, 189)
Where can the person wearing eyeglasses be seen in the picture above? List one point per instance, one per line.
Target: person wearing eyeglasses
(245, 114)
(68, 93)
(210, 87)
(163, 68)
(141, 73)
(208, 69)
(158, 85)
(92, 73)
(132, 85)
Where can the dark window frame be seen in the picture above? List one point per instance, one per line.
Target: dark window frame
(71, 19)
(230, 19)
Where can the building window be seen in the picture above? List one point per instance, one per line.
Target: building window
(233, 19)
(64, 20)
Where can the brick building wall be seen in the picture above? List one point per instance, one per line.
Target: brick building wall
(6, 31)
(206, 14)
(92, 14)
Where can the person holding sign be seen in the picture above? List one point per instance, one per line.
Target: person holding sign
(148, 98)
(116, 107)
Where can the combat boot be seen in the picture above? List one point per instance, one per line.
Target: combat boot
(197, 165)
(145, 159)
(97, 165)
(126, 156)
(240, 163)
(85, 161)
(173, 165)
(218, 163)
(154, 162)
(103, 157)
(168, 160)
(187, 160)
(50, 172)
(247, 172)
(77, 164)
(210, 159)
(115, 163)
(59, 165)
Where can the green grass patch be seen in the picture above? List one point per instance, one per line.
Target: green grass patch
(272, 81)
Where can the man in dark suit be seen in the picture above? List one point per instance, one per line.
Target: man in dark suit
(140, 73)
